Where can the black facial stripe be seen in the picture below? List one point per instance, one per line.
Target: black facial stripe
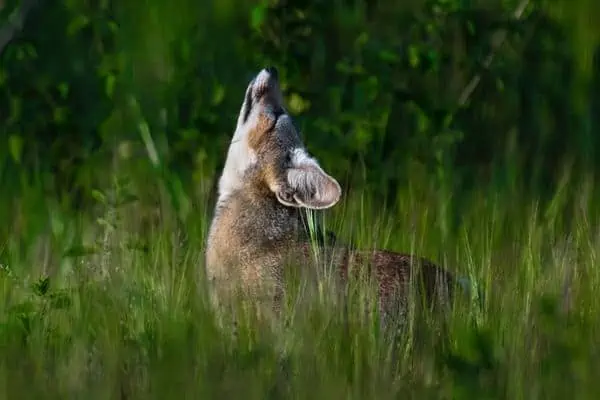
(288, 159)
(273, 72)
(248, 103)
(278, 112)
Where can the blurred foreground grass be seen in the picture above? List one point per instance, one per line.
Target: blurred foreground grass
(110, 303)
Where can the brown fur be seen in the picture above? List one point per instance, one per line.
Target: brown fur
(256, 233)
(242, 254)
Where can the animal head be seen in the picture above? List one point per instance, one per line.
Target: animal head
(267, 143)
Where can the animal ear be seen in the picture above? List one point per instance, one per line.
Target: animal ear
(310, 187)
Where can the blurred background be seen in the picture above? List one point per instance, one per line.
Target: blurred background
(461, 92)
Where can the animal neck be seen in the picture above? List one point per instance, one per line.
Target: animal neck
(240, 159)
(247, 188)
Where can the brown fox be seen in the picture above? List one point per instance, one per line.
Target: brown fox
(268, 182)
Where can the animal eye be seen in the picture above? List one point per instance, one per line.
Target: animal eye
(288, 159)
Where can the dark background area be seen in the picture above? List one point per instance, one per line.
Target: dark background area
(378, 88)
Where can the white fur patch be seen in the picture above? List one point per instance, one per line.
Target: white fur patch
(240, 157)
(301, 158)
(262, 78)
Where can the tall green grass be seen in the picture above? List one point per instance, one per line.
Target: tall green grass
(111, 302)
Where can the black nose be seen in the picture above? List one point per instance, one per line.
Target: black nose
(273, 72)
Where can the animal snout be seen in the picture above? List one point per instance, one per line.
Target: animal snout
(266, 81)
(272, 71)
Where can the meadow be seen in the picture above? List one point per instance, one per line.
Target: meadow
(111, 303)
(465, 132)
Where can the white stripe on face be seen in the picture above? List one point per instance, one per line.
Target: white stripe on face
(240, 157)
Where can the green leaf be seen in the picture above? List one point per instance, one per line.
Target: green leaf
(98, 196)
(257, 17)
(388, 56)
(63, 89)
(60, 114)
(41, 287)
(77, 24)
(297, 104)
(218, 95)
(109, 84)
(15, 144)
(413, 56)
(144, 130)
(362, 39)
(500, 84)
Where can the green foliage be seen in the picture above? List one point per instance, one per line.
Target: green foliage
(375, 84)
(102, 317)
(116, 119)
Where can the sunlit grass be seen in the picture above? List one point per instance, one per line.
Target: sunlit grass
(111, 304)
